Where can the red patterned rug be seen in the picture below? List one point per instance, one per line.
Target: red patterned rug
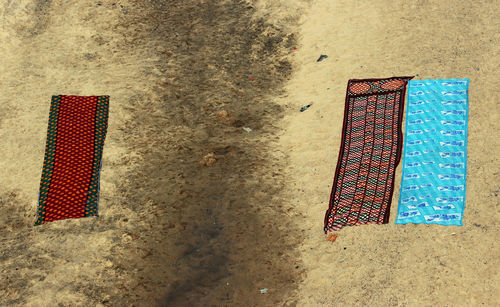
(369, 153)
(70, 177)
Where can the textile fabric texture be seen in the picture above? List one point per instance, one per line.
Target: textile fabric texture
(435, 153)
(370, 151)
(69, 186)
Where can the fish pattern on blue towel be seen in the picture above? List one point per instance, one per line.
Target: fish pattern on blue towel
(435, 153)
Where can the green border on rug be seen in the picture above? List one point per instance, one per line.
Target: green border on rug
(48, 163)
(101, 126)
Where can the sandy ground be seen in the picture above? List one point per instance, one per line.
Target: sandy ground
(173, 232)
(395, 265)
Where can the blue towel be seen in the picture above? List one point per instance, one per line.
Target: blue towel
(435, 152)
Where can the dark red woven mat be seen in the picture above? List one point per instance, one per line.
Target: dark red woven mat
(370, 151)
(69, 186)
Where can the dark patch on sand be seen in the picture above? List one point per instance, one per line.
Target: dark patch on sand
(210, 235)
(14, 243)
(39, 17)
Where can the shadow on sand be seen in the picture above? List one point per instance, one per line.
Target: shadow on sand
(211, 234)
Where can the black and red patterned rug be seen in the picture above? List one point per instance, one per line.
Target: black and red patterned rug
(370, 151)
(69, 186)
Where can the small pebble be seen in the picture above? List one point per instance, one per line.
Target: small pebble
(123, 9)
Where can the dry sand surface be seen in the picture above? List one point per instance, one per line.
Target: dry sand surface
(195, 210)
